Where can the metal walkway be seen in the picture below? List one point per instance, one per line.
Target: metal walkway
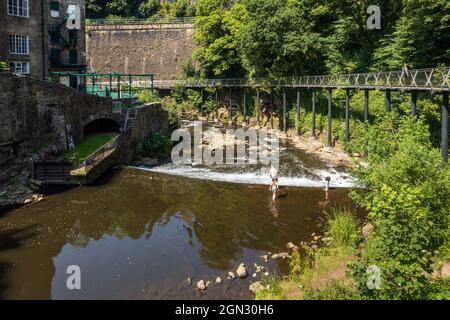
(434, 79)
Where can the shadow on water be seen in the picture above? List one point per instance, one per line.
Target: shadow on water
(9, 240)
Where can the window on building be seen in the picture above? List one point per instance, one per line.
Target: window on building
(19, 44)
(54, 9)
(20, 67)
(18, 8)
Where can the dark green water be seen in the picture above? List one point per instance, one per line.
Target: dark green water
(140, 235)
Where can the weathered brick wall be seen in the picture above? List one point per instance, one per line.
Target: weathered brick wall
(159, 49)
(34, 114)
(31, 27)
(150, 118)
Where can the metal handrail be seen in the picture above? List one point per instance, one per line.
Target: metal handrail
(136, 21)
(93, 157)
(420, 79)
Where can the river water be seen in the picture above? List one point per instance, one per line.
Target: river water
(139, 233)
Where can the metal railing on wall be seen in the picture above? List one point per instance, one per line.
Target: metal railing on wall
(135, 21)
(114, 85)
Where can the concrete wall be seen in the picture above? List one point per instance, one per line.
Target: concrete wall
(159, 49)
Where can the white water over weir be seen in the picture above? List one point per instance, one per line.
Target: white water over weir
(261, 177)
(296, 168)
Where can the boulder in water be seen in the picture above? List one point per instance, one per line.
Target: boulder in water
(241, 271)
(201, 285)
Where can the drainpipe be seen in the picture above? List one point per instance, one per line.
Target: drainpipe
(43, 29)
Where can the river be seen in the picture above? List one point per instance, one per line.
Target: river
(140, 233)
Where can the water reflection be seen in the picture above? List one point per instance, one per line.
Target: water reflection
(140, 235)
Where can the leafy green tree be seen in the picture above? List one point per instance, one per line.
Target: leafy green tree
(182, 8)
(420, 37)
(149, 8)
(217, 46)
(406, 195)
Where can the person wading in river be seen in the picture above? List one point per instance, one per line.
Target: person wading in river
(273, 174)
(274, 188)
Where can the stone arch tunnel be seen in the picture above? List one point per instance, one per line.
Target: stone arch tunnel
(100, 125)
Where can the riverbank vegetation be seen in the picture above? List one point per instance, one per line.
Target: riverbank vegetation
(404, 188)
(155, 146)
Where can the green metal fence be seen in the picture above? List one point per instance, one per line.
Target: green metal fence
(114, 85)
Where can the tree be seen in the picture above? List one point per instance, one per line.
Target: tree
(420, 37)
(405, 191)
(217, 24)
(149, 8)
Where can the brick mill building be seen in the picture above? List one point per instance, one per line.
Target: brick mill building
(41, 36)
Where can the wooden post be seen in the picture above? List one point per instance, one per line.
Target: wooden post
(284, 111)
(366, 118)
(444, 123)
(314, 113)
(347, 115)
(388, 100)
(297, 120)
(413, 103)
(330, 103)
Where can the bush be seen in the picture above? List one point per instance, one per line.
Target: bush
(343, 228)
(155, 146)
(405, 191)
(147, 96)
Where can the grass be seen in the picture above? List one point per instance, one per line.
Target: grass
(329, 269)
(322, 273)
(87, 146)
(343, 228)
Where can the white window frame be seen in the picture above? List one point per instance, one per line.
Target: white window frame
(17, 67)
(18, 8)
(19, 44)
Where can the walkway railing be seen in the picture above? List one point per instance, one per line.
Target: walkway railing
(434, 79)
(114, 85)
(98, 154)
(135, 21)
